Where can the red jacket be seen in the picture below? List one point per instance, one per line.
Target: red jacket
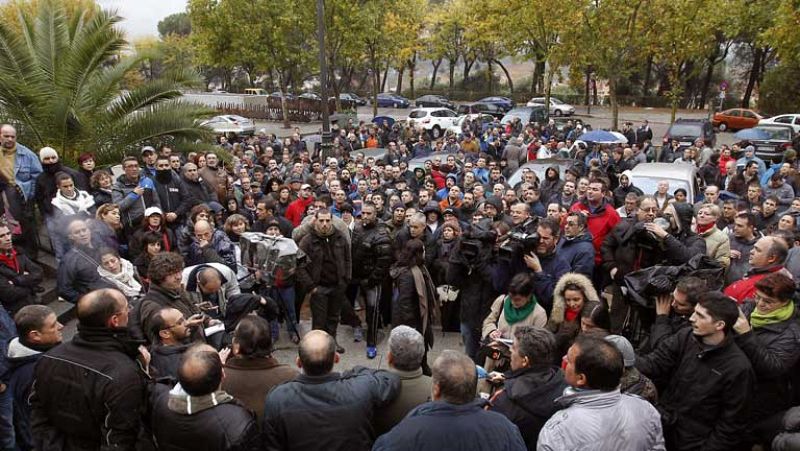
(296, 210)
(600, 223)
(746, 287)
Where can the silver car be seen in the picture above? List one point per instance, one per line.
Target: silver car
(230, 123)
(557, 107)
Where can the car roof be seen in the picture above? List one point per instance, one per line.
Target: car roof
(664, 170)
(430, 109)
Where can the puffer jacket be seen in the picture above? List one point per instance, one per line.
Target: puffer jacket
(600, 222)
(560, 306)
(718, 246)
(372, 252)
(774, 351)
(578, 252)
(596, 420)
(220, 250)
(528, 398)
(89, 393)
(22, 362)
(706, 400)
(214, 422)
(301, 411)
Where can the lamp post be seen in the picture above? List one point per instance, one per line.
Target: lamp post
(323, 81)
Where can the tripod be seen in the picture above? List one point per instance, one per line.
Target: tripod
(267, 285)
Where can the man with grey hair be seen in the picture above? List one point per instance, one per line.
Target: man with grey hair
(455, 419)
(530, 389)
(406, 351)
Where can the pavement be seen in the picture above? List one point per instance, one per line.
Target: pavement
(600, 117)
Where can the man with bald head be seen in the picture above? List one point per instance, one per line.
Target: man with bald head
(766, 257)
(455, 419)
(193, 187)
(88, 393)
(210, 245)
(197, 413)
(338, 408)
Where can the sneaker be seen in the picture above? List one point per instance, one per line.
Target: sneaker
(372, 352)
(358, 334)
(339, 349)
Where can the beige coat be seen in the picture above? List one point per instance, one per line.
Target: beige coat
(497, 320)
(718, 246)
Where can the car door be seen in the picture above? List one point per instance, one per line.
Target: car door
(749, 119)
(733, 118)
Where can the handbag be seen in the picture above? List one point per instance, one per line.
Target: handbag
(11, 222)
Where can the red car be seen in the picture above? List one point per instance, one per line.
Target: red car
(736, 119)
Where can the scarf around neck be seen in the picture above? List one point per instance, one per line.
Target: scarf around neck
(776, 316)
(514, 315)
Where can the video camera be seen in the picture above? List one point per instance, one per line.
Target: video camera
(519, 244)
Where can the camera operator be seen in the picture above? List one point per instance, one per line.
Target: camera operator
(642, 243)
(673, 310)
(546, 265)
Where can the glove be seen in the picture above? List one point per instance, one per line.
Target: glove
(446, 293)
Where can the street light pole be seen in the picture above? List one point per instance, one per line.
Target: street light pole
(323, 80)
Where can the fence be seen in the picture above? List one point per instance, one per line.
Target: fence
(266, 108)
(522, 97)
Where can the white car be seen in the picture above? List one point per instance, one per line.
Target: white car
(788, 119)
(230, 123)
(459, 122)
(557, 107)
(433, 120)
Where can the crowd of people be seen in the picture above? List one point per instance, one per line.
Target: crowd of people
(593, 315)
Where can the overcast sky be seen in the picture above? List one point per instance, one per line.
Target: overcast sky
(141, 17)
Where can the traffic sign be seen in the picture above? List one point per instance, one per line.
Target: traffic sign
(723, 86)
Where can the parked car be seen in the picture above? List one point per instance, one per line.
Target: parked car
(503, 102)
(288, 95)
(376, 153)
(736, 119)
(432, 101)
(419, 162)
(230, 123)
(480, 107)
(557, 107)
(387, 99)
(779, 138)
(433, 120)
(540, 167)
(788, 119)
(646, 176)
(310, 96)
(686, 132)
(457, 124)
(528, 114)
(256, 91)
(350, 97)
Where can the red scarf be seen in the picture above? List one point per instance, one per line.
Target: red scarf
(570, 315)
(10, 260)
(701, 229)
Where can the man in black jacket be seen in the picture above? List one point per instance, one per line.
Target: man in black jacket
(173, 338)
(372, 250)
(322, 409)
(704, 406)
(673, 310)
(19, 275)
(196, 191)
(89, 393)
(326, 272)
(197, 413)
(77, 273)
(175, 202)
(533, 384)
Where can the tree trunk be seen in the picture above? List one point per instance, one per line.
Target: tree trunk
(412, 66)
(508, 76)
(540, 78)
(436, 65)
(754, 74)
(707, 80)
(489, 78)
(376, 80)
(400, 70)
(385, 77)
(612, 96)
(467, 67)
(451, 75)
(284, 106)
(535, 78)
(588, 85)
(647, 73)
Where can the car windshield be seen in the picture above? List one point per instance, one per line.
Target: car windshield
(649, 184)
(418, 114)
(556, 101)
(778, 133)
(685, 130)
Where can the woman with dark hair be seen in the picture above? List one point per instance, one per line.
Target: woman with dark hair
(153, 221)
(85, 171)
(119, 273)
(574, 301)
(768, 332)
(107, 228)
(679, 196)
(517, 308)
(272, 187)
(151, 246)
(415, 303)
(283, 200)
(248, 208)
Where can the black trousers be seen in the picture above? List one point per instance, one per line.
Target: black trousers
(326, 306)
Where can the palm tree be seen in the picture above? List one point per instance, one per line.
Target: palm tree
(62, 79)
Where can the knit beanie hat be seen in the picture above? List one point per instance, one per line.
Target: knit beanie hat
(625, 348)
(47, 152)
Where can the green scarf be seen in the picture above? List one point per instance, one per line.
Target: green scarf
(775, 316)
(514, 315)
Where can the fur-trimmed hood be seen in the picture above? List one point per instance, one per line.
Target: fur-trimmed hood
(559, 306)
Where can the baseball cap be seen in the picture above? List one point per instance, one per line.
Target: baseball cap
(152, 211)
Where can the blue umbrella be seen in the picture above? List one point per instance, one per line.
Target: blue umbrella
(600, 136)
(750, 134)
(379, 120)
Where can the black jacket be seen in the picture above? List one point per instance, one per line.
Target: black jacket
(313, 244)
(666, 326)
(77, 273)
(331, 412)
(46, 188)
(773, 351)
(705, 405)
(89, 393)
(165, 360)
(18, 289)
(372, 252)
(226, 426)
(172, 195)
(528, 399)
(196, 192)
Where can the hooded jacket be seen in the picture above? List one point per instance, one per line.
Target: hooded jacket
(578, 252)
(213, 422)
(551, 186)
(22, 362)
(528, 398)
(599, 420)
(600, 222)
(440, 425)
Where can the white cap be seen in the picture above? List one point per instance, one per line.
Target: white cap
(152, 211)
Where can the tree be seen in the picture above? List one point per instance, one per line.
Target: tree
(177, 24)
(447, 35)
(62, 81)
(213, 32)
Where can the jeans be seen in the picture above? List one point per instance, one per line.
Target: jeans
(471, 337)
(7, 440)
(326, 306)
(285, 296)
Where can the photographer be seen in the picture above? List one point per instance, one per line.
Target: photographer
(673, 310)
(641, 243)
